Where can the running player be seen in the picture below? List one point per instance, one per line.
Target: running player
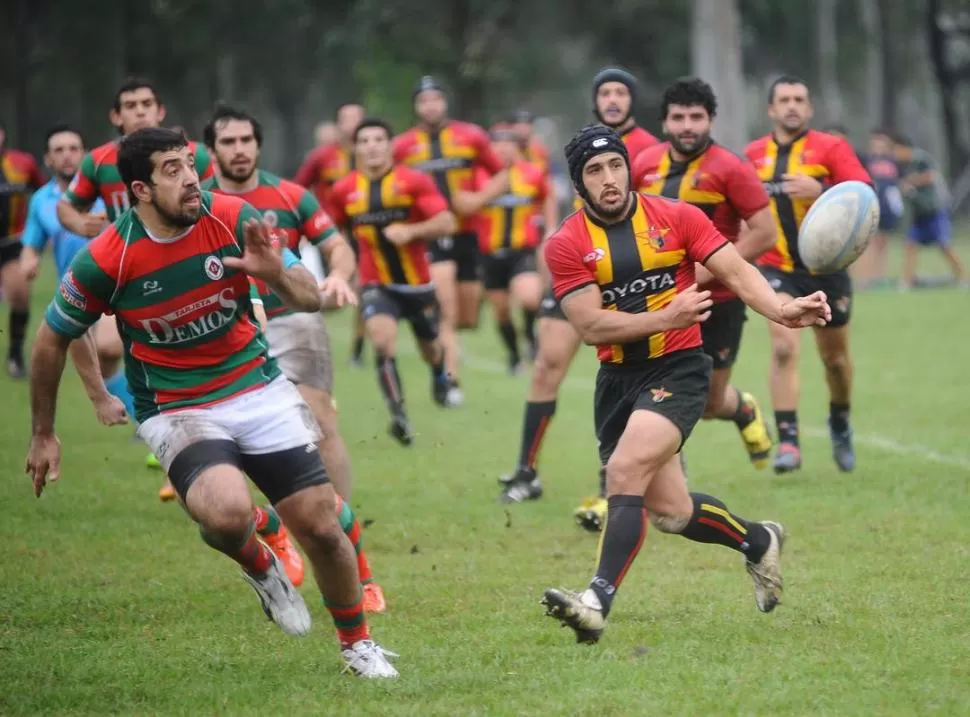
(692, 167)
(623, 269)
(509, 232)
(297, 340)
(450, 151)
(614, 95)
(136, 106)
(393, 211)
(533, 150)
(210, 400)
(324, 167)
(796, 164)
(19, 176)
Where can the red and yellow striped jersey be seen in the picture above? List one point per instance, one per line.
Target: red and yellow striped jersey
(639, 264)
(324, 167)
(512, 221)
(718, 182)
(824, 157)
(20, 175)
(450, 156)
(369, 206)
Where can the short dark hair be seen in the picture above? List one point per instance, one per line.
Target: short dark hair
(370, 122)
(58, 129)
(225, 112)
(135, 154)
(132, 84)
(786, 80)
(689, 91)
(882, 132)
(902, 139)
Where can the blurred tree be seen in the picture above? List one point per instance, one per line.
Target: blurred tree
(943, 29)
(716, 51)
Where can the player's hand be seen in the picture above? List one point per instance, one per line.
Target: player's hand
(801, 186)
(93, 223)
(29, 263)
(111, 411)
(703, 275)
(336, 292)
(262, 256)
(398, 234)
(811, 310)
(43, 461)
(689, 307)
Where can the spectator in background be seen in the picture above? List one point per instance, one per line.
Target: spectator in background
(882, 166)
(923, 186)
(326, 133)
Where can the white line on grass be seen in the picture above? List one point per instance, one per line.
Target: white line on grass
(585, 384)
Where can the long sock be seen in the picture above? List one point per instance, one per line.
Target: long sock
(529, 329)
(602, 482)
(390, 382)
(438, 370)
(267, 520)
(18, 332)
(358, 350)
(744, 416)
(534, 425)
(623, 534)
(787, 424)
(711, 522)
(252, 554)
(507, 332)
(350, 621)
(351, 528)
(839, 417)
(117, 386)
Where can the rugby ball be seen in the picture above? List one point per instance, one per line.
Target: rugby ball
(838, 227)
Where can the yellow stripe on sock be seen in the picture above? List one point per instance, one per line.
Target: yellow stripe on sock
(724, 514)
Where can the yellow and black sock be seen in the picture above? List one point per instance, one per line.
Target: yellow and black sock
(711, 522)
(744, 416)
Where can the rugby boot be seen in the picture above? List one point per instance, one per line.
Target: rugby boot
(280, 543)
(521, 486)
(766, 573)
(757, 440)
(581, 612)
(280, 600)
(788, 458)
(374, 598)
(368, 659)
(842, 450)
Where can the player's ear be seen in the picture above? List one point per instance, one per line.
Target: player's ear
(161, 113)
(114, 117)
(142, 191)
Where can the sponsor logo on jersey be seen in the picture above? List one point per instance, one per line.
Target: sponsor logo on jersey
(596, 255)
(150, 287)
(213, 267)
(72, 293)
(643, 284)
(209, 314)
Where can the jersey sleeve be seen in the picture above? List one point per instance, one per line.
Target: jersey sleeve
(203, 163)
(34, 236)
(309, 172)
(315, 224)
(639, 169)
(335, 205)
(82, 297)
(399, 148)
(745, 192)
(565, 262)
(246, 212)
(845, 165)
(428, 201)
(83, 189)
(486, 157)
(701, 237)
(37, 179)
(543, 188)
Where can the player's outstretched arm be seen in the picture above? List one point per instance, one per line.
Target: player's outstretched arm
(46, 366)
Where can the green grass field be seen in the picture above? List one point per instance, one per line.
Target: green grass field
(110, 603)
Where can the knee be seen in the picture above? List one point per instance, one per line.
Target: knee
(626, 475)
(836, 363)
(230, 522)
(669, 519)
(784, 353)
(548, 372)
(322, 533)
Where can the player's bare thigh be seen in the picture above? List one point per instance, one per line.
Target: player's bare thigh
(444, 276)
(526, 289)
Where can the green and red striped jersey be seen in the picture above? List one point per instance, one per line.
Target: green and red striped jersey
(185, 318)
(292, 212)
(98, 176)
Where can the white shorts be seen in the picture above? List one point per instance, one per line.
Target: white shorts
(269, 419)
(301, 346)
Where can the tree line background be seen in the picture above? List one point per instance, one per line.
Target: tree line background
(902, 64)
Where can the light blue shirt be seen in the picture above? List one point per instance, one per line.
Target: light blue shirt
(43, 227)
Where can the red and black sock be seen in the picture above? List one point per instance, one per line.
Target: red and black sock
(711, 522)
(787, 424)
(623, 534)
(390, 383)
(534, 425)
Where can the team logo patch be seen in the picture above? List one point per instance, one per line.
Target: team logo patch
(72, 293)
(654, 237)
(213, 267)
(595, 255)
(659, 394)
(270, 218)
(320, 221)
(150, 287)
(650, 179)
(724, 354)
(601, 142)
(842, 304)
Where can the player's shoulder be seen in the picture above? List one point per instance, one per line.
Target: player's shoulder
(409, 176)
(468, 130)
(407, 137)
(664, 209)
(718, 159)
(532, 173)
(652, 155)
(758, 146)
(210, 185)
(46, 193)
(571, 229)
(345, 184)
(106, 153)
(224, 208)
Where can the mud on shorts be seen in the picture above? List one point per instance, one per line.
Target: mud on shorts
(500, 268)
(550, 308)
(674, 386)
(837, 287)
(461, 249)
(416, 305)
(301, 346)
(269, 433)
(721, 333)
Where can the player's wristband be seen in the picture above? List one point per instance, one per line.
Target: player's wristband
(290, 259)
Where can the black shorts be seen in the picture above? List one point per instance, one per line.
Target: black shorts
(501, 268)
(550, 308)
(418, 307)
(461, 249)
(674, 386)
(837, 287)
(10, 251)
(721, 332)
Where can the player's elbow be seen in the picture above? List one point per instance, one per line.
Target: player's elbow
(47, 339)
(449, 223)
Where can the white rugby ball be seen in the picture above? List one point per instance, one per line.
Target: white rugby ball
(838, 227)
